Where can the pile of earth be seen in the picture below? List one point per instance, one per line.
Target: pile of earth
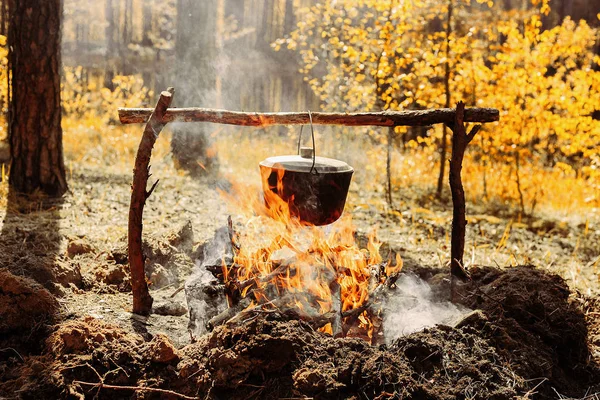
(527, 338)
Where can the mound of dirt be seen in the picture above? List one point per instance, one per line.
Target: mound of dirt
(24, 304)
(536, 325)
(169, 257)
(526, 337)
(267, 358)
(591, 309)
(86, 335)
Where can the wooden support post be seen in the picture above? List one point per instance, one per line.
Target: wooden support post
(142, 301)
(460, 141)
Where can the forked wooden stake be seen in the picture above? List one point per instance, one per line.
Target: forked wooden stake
(142, 301)
(460, 141)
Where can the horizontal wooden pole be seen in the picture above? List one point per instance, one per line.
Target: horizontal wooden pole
(386, 118)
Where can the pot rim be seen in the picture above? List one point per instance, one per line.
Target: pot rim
(296, 163)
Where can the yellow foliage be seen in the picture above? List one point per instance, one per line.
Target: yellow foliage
(390, 54)
(92, 133)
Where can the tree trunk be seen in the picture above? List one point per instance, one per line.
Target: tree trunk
(126, 38)
(109, 72)
(388, 166)
(196, 52)
(127, 24)
(4, 17)
(443, 147)
(35, 110)
(290, 17)
(147, 23)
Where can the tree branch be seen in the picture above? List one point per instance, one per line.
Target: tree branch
(142, 301)
(384, 118)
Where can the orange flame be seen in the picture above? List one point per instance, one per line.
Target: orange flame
(313, 258)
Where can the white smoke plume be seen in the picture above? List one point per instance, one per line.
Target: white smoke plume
(413, 306)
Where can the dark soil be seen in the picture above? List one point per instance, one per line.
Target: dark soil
(527, 337)
(25, 306)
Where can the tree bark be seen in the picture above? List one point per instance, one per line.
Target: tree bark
(109, 33)
(444, 144)
(35, 110)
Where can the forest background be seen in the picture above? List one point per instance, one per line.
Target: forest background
(537, 61)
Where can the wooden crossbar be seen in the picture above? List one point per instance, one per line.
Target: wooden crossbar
(386, 118)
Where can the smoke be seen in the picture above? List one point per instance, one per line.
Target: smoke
(414, 306)
(204, 302)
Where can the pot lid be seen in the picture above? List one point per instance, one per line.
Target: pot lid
(304, 163)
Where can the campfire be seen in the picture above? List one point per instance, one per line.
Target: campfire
(274, 262)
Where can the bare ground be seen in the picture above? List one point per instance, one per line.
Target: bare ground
(65, 303)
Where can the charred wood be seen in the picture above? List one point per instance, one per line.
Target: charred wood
(228, 314)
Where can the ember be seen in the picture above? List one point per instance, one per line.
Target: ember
(279, 263)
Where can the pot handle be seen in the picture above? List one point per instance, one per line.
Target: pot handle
(312, 131)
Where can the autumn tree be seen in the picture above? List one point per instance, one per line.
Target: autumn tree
(380, 55)
(371, 55)
(545, 84)
(35, 111)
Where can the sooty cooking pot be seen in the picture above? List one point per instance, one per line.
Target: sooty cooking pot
(315, 188)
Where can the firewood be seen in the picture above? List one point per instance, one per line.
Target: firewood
(336, 309)
(281, 308)
(374, 297)
(229, 313)
(280, 270)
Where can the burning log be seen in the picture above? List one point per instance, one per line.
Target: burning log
(281, 308)
(375, 296)
(228, 314)
(386, 118)
(336, 307)
(280, 270)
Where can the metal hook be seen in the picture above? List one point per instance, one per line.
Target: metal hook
(312, 132)
(300, 138)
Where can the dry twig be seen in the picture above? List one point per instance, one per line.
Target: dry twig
(102, 385)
